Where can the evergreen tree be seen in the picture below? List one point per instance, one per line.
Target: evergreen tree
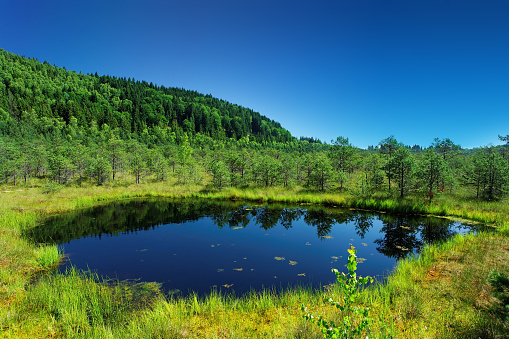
(322, 174)
(400, 167)
(158, 165)
(220, 173)
(431, 172)
(495, 175)
(99, 169)
(388, 147)
(373, 172)
(343, 153)
(116, 154)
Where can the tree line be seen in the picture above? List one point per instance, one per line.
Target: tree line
(101, 157)
(67, 127)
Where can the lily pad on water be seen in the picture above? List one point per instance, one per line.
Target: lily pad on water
(227, 286)
(220, 269)
(328, 237)
(301, 274)
(361, 260)
(335, 258)
(308, 244)
(279, 258)
(293, 263)
(364, 244)
(238, 269)
(238, 228)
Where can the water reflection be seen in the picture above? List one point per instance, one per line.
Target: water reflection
(234, 242)
(401, 234)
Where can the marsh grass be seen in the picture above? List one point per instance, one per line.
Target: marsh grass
(442, 293)
(47, 255)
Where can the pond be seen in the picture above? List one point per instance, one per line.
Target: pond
(200, 245)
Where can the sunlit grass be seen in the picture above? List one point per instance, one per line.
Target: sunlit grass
(441, 293)
(47, 256)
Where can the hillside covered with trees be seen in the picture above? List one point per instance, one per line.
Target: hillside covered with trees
(67, 127)
(43, 97)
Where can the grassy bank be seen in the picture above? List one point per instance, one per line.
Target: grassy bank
(443, 293)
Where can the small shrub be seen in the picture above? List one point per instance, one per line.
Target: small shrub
(355, 319)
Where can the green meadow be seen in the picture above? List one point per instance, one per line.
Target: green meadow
(452, 290)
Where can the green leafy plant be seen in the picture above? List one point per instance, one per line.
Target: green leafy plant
(500, 284)
(355, 319)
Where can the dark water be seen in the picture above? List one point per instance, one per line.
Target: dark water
(196, 245)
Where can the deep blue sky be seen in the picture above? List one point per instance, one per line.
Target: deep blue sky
(354, 68)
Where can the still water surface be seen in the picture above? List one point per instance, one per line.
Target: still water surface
(196, 245)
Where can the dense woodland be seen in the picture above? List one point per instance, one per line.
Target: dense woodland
(69, 129)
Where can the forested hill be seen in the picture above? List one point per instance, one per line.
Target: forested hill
(45, 97)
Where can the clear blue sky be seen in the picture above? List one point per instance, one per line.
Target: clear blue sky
(354, 68)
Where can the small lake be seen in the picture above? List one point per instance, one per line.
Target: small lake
(200, 245)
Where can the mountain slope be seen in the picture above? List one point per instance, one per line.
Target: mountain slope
(42, 94)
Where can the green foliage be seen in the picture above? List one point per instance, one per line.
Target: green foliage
(322, 174)
(400, 168)
(220, 174)
(343, 153)
(488, 172)
(500, 284)
(99, 169)
(51, 187)
(374, 179)
(446, 148)
(354, 319)
(432, 171)
(47, 255)
(266, 169)
(155, 115)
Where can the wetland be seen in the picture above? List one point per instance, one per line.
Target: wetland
(197, 245)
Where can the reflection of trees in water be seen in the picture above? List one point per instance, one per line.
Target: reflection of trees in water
(322, 220)
(125, 216)
(402, 234)
(288, 216)
(400, 237)
(436, 229)
(266, 217)
(362, 222)
(236, 218)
